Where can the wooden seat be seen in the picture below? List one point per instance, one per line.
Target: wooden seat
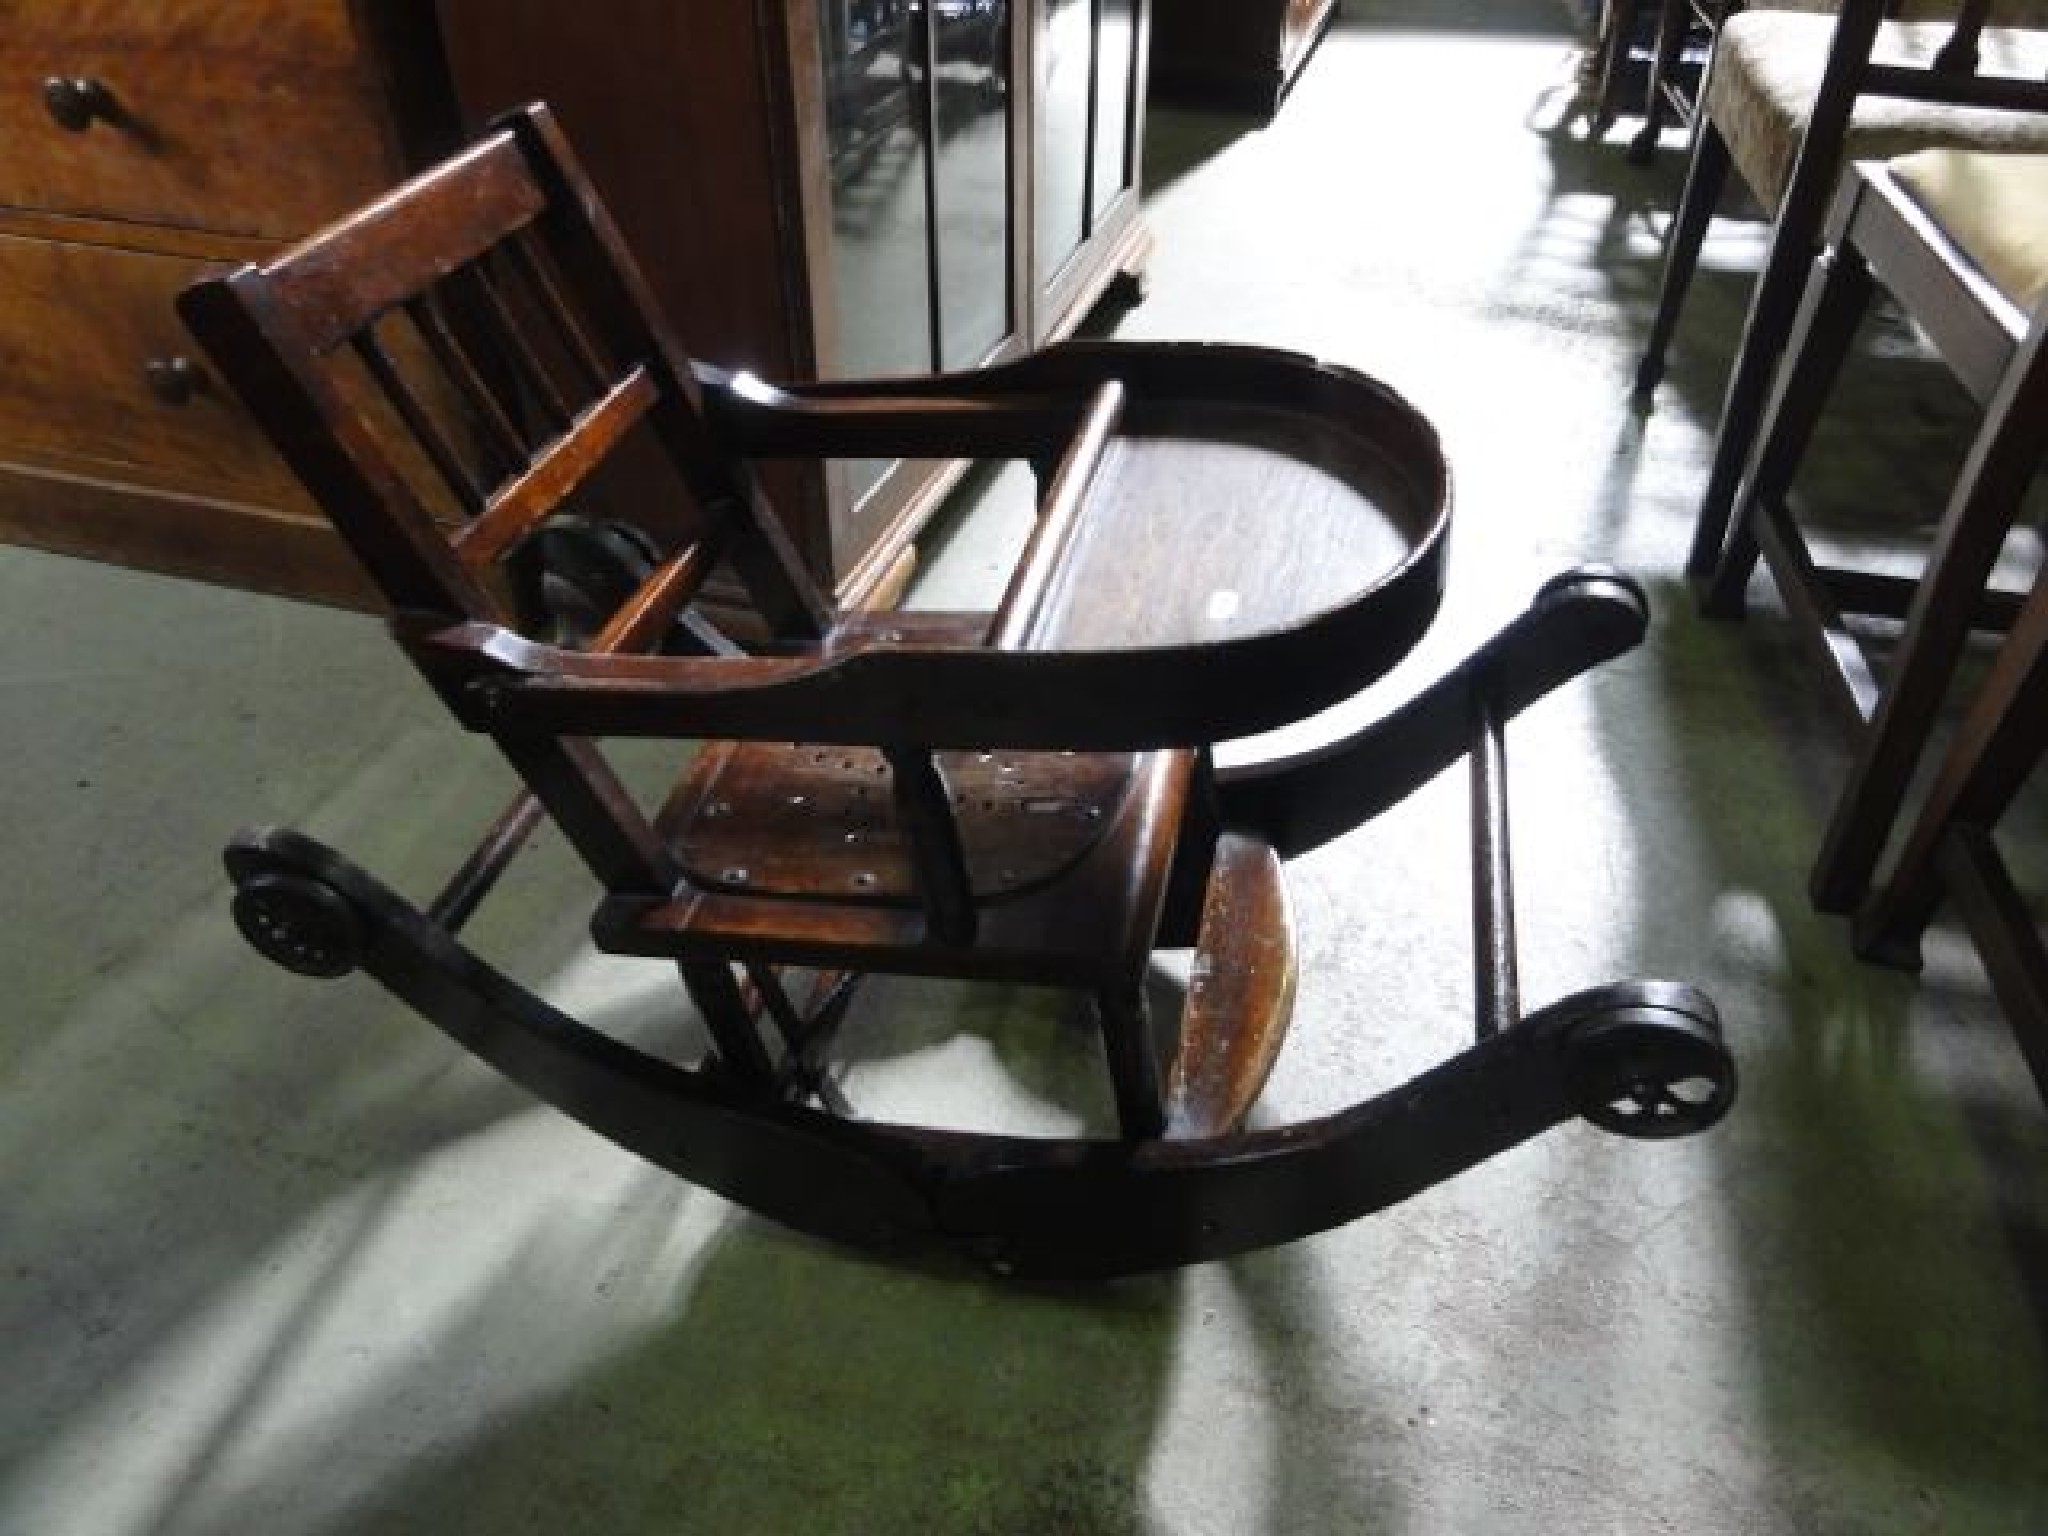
(1228, 539)
(1958, 238)
(1790, 97)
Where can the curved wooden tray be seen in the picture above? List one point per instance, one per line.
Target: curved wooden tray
(1267, 538)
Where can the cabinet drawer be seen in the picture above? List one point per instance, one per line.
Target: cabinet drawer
(79, 327)
(262, 118)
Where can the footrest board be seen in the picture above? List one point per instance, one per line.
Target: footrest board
(1240, 994)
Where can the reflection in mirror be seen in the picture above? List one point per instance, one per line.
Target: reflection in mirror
(970, 101)
(1116, 57)
(872, 52)
(1060, 171)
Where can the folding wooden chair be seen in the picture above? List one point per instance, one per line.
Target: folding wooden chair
(1229, 538)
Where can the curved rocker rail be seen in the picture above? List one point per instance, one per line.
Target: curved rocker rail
(1575, 622)
(1054, 1208)
(1640, 1058)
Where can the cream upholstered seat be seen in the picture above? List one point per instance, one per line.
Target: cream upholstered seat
(1767, 74)
(1993, 206)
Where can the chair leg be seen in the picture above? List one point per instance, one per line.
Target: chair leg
(1706, 174)
(2001, 739)
(716, 992)
(1981, 508)
(1134, 1070)
(1617, 31)
(1673, 20)
(1794, 239)
(1837, 297)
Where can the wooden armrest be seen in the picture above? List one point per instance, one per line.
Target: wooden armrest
(1058, 517)
(881, 419)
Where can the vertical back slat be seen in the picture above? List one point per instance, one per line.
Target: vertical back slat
(520, 351)
(499, 435)
(593, 258)
(461, 479)
(526, 257)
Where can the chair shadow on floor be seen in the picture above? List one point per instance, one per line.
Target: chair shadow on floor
(788, 1386)
(1874, 1105)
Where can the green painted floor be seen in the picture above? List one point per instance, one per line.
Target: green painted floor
(276, 1259)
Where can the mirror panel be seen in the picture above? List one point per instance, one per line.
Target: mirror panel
(1116, 59)
(971, 192)
(876, 153)
(1066, 41)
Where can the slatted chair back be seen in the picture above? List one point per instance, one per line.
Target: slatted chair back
(450, 371)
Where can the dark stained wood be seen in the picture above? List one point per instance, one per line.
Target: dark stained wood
(74, 396)
(858, 807)
(1496, 982)
(479, 874)
(1079, 928)
(638, 623)
(222, 129)
(801, 819)
(1240, 993)
(519, 505)
(346, 276)
(1087, 917)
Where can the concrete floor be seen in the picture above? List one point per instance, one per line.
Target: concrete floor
(278, 1259)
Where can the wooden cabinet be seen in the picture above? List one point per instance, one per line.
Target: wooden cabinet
(841, 188)
(814, 187)
(139, 146)
(1239, 54)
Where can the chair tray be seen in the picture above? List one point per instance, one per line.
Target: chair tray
(1227, 520)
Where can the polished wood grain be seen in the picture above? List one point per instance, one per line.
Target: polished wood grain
(782, 819)
(76, 393)
(204, 538)
(212, 105)
(1240, 993)
(141, 145)
(1192, 499)
(1071, 487)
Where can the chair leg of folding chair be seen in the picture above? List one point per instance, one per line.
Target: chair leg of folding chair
(1705, 177)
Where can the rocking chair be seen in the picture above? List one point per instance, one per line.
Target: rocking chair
(1229, 538)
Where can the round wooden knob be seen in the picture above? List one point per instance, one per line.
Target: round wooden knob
(76, 100)
(174, 380)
